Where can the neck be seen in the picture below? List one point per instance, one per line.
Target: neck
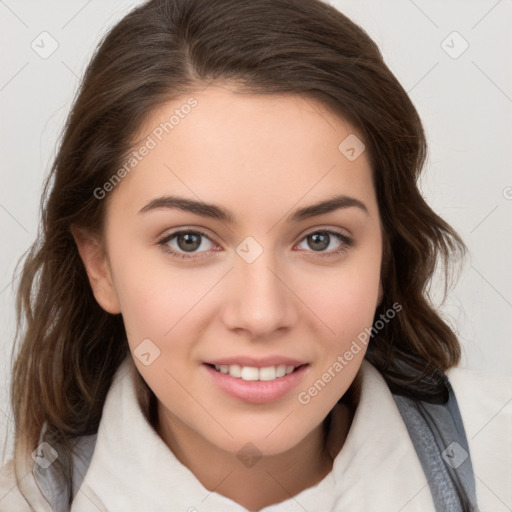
(256, 482)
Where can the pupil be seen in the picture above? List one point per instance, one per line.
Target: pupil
(189, 241)
(320, 240)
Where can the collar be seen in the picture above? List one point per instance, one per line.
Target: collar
(130, 458)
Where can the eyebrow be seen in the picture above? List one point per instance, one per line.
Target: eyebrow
(219, 213)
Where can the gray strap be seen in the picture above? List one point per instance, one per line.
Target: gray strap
(81, 460)
(52, 483)
(438, 435)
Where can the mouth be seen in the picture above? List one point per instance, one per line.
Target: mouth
(256, 384)
(254, 373)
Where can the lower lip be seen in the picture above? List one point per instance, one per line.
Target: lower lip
(257, 391)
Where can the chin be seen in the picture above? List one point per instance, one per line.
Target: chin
(268, 436)
(254, 445)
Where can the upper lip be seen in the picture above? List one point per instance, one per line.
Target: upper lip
(256, 362)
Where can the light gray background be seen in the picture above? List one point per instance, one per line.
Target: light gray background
(465, 103)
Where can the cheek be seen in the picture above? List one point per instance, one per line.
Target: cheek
(345, 303)
(160, 301)
(147, 296)
(153, 304)
(345, 298)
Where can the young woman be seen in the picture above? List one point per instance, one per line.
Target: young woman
(226, 308)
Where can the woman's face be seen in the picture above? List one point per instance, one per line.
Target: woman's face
(217, 256)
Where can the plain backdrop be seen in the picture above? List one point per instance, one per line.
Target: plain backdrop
(453, 57)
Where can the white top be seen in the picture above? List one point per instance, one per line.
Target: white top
(132, 469)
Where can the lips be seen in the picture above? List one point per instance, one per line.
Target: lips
(254, 369)
(256, 391)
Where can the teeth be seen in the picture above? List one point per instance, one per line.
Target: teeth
(250, 373)
(281, 370)
(235, 371)
(268, 373)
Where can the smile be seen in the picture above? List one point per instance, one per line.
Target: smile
(251, 373)
(256, 385)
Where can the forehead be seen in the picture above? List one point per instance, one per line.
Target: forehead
(257, 150)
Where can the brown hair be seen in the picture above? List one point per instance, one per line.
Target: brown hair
(70, 347)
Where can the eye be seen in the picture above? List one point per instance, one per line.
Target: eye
(190, 244)
(327, 242)
(186, 243)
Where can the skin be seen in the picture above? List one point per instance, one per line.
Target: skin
(260, 157)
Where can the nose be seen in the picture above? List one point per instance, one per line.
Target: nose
(260, 300)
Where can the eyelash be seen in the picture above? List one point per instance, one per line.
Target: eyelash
(346, 243)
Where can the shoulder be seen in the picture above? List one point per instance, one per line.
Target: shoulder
(10, 495)
(485, 404)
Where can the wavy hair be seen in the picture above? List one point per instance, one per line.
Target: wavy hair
(68, 348)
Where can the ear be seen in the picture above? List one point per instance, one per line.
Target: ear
(98, 271)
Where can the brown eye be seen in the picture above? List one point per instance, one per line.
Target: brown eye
(188, 242)
(326, 243)
(185, 244)
(319, 241)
